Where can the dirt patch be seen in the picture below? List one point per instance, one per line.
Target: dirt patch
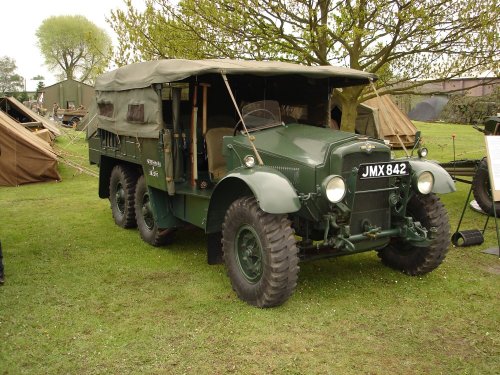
(493, 269)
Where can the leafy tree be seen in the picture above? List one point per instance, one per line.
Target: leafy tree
(9, 81)
(21, 96)
(40, 86)
(74, 46)
(406, 42)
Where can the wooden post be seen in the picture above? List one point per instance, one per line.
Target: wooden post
(205, 87)
(194, 140)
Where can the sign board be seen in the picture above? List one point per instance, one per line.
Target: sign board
(493, 152)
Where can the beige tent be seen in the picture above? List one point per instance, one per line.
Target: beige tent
(25, 116)
(380, 117)
(24, 157)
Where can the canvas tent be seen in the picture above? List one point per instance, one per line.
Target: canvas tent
(381, 118)
(24, 158)
(89, 122)
(25, 116)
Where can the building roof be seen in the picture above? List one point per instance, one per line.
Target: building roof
(66, 80)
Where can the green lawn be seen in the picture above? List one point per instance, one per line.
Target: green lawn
(83, 296)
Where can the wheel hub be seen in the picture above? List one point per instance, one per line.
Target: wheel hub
(120, 198)
(249, 253)
(147, 213)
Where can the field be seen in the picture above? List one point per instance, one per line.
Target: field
(82, 296)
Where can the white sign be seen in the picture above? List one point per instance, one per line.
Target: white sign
(493, 150)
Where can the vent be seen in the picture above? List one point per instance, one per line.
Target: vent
(291, 173)
(108, 139)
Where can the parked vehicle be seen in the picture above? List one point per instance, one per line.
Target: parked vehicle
(478, 170)
(239, 149)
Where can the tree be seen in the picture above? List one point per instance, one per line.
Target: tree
(10, 82)
(74, 46)
(40, 86)
(405, 42)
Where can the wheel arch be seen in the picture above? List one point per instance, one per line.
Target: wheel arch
(106, 166)
(443, 183)
(273, 191)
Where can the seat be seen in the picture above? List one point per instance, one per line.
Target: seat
(216, 162)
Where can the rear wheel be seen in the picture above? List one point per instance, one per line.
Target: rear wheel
(416, 260)
(121, 195)
(146, 223)
(260, 254)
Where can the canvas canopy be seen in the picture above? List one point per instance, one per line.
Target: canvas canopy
(127, 103)
(24, 157)
(145, 74)
(22, 114)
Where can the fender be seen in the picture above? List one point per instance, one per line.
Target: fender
(273, 191)
(443, 183)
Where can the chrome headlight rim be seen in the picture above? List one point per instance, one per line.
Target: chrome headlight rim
(425, 182)
(334, 188)
(423, 152)
(249, 161)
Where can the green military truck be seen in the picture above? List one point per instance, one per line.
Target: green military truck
(240, 149)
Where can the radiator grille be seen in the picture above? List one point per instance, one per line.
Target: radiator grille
(371, 207)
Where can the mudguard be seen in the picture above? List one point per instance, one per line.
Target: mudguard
(273, 191)
(443, 183)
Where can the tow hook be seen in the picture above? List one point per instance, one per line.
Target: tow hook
(370, 231)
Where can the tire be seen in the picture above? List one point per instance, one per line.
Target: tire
(121, 195)
(265, 274)
(148, 229)
(74, 121)
(413, 260)
(481, 189)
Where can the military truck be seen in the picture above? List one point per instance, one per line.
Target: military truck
(243, 150)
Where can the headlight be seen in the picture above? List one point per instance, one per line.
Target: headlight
(423, 152)
(249, 161)
(425, 182)
(334, 188)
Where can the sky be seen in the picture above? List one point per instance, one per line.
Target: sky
(19, 20)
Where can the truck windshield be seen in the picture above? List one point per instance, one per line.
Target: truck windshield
(261, 115)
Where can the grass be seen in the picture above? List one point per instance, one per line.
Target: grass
(83, 296)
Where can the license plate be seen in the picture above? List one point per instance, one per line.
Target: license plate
(378, 170)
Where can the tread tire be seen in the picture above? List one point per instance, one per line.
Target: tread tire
(413, 260)
(279, 259)
(122, 184)
(148, 229)
(481, 189)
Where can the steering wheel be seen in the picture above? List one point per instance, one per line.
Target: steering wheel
(238, 124)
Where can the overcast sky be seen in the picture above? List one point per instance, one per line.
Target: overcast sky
(19, 20)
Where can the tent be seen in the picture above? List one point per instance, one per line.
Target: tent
(24, 157)
(380, 117)
(28, 118)
(89, 122)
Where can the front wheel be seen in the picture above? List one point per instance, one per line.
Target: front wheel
(414, 260)
(148, 229)
(260, 254)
